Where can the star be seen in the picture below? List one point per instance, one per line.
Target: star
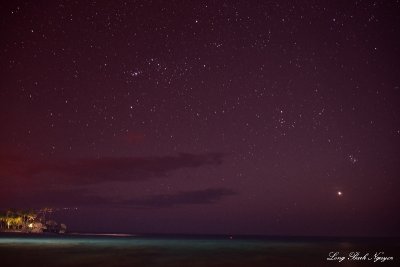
(352, 159)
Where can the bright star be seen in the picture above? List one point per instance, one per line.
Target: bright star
(353, 159)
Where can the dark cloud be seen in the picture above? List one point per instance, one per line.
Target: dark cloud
(92, 170)
(68, 182)
(206, 196)
(83, 197)
(46, 197)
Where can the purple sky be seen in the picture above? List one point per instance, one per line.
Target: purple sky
(203, 117)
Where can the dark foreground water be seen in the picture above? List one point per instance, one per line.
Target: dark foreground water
(78, 250)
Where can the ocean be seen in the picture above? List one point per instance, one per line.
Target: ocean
(193, 251)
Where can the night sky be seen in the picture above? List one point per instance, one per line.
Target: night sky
(230, 117)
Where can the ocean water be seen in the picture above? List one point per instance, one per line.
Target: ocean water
(184, 250)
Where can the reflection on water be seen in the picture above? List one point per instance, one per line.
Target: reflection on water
(127, 250)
